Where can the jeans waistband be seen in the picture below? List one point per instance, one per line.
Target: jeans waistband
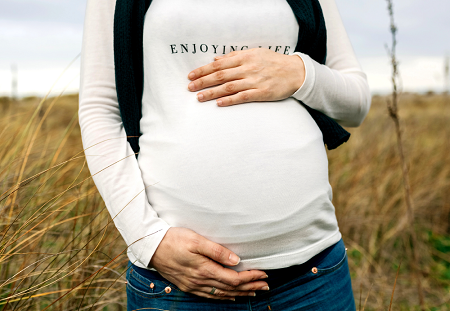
(276, 277)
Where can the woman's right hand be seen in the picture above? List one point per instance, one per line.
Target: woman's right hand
(191, 262)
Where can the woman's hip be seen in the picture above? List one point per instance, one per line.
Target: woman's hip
(322, 283)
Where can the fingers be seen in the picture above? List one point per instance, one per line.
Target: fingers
(233, 87)
(220, 254)
(226, 294)
(203, 294)
(216, 252)
(249, 95)
(221, 290)
(246, 287)
(223, 293)
(215, 78)
(236, 279)
(239, 288)
(224, 63)
(253, 286)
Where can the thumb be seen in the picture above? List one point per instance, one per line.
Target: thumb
(217, 252)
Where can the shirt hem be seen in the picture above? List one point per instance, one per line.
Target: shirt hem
(289, 259)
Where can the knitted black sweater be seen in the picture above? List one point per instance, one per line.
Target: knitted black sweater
(129, 72)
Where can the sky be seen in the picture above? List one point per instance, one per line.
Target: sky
(43, 37)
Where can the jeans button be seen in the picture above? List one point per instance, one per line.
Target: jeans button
(314, 270)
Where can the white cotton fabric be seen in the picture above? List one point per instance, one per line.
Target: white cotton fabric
(252, 177)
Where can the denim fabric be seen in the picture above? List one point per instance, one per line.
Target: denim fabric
(328, 289)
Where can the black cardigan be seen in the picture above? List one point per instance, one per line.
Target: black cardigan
(129, 72)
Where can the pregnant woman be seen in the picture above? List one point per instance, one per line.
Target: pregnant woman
(223, 199)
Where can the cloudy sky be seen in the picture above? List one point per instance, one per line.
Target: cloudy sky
(42, 37)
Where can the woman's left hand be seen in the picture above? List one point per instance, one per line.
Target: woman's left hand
(257, 74)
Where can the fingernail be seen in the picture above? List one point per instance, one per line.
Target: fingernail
(219, 102)
(264, 277)
(219, 57)
(191, 75)
(252, 294)
(234, 259)
(191, 86)
(232, 299)
(200, 96)
(265, 288)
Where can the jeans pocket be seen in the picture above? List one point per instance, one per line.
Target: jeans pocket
(334, 260)
(149, 288)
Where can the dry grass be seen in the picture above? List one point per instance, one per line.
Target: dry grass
(366, 177)
(60, 237)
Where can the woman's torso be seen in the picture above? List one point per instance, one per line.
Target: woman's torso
(252, 177)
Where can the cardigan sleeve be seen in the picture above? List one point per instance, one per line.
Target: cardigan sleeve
(339, 89)
(111, 161)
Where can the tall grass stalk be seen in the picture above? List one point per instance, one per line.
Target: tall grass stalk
(408, 220)
(447, 74)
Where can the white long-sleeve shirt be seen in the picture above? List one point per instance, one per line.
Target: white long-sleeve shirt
(252, 177)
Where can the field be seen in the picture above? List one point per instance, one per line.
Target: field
(57, 235)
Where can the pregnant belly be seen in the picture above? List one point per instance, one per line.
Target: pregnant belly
(232, 173)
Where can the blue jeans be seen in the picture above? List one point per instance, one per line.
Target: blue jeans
(326, 288)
